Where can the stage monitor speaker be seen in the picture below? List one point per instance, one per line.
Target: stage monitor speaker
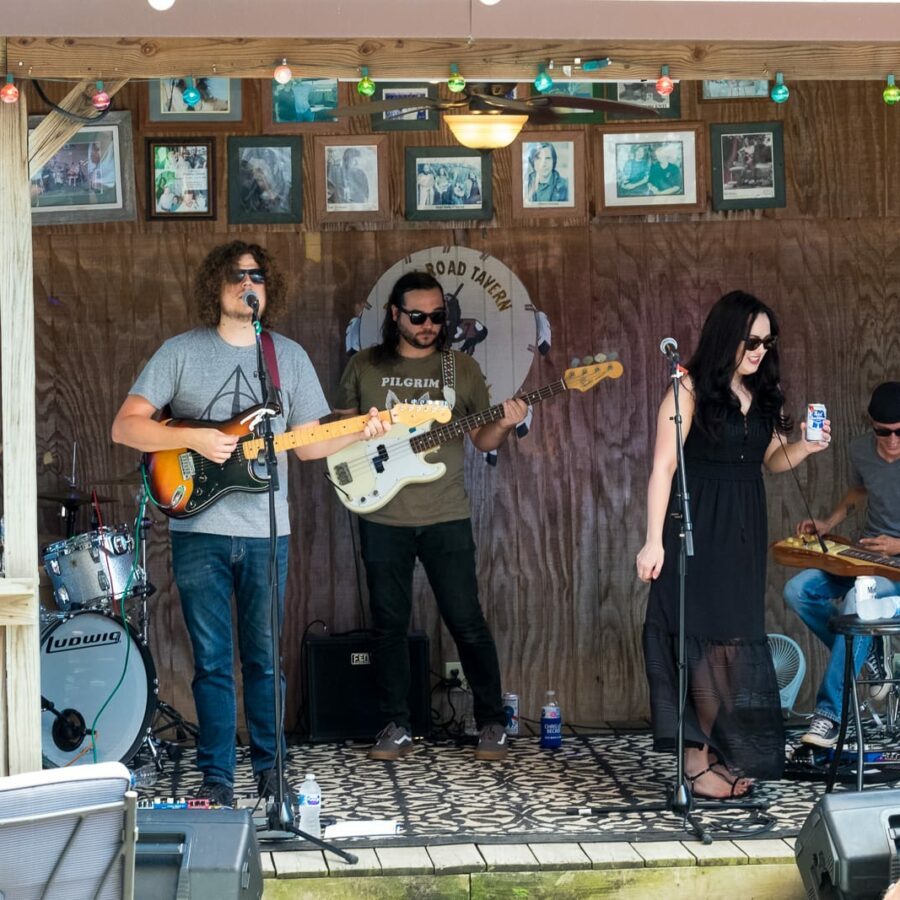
(204, 854)
(342, 699)
(848, 846)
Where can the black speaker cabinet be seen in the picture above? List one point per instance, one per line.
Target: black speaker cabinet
(848, 846)
(204, 854)
(342, 699)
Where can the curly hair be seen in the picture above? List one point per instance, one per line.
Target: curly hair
(211, 277)
(390, 332)
(713, 364)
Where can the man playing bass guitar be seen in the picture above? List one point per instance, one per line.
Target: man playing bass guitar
(875, 480)
(210, 374)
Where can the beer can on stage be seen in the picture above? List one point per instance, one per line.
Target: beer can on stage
(511, 708)
(815, 422)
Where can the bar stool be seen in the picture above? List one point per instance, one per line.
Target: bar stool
(850, 627)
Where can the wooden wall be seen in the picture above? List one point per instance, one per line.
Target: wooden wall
(560, 519)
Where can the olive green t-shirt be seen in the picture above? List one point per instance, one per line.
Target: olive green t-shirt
(403, 380)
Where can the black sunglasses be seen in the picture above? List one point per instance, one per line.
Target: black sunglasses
(236, 276)
(417, 317)
(751, 342)
(886, 432)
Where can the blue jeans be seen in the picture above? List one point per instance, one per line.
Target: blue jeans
(812, 595)
(209, 570)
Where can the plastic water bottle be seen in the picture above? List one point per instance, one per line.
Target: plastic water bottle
(144, 777)
(551, 723)
(310, 801)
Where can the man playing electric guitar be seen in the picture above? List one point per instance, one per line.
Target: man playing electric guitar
(875, 480)
(210, 374)
(430, 521)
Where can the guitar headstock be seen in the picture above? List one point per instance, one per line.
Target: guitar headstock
(412, 414)
(587, 372)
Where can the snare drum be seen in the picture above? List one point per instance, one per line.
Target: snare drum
(83, 656)
(90, 570)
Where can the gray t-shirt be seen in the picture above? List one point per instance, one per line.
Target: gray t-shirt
(201, 376)
(882, 483)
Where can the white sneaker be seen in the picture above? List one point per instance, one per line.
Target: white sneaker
(822, 732)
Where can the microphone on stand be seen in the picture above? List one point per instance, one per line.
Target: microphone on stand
(249, 297)
(669, 348)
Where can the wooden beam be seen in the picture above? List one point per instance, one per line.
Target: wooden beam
(50, 136)
(20, 681)
(91, 58)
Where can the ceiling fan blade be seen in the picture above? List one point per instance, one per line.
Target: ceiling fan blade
(489, 101)
(378, 106)
(591, 104)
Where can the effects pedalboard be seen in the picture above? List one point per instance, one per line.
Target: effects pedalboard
(182, 803)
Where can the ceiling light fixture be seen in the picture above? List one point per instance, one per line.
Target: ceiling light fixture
(161, 5)
(485, 131)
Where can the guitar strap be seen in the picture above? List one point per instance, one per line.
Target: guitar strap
(271, 361)
(448, 376)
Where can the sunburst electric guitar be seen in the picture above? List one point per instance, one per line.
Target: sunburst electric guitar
(183, 483)
(368, 474)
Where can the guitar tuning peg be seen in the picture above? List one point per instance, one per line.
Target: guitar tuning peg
(575, 362)
(587, 360)
(612, 356)
(599, 357)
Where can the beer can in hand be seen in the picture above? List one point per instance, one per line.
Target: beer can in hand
(815, 422)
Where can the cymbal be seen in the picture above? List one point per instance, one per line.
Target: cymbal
(71, 497)
(132, 477)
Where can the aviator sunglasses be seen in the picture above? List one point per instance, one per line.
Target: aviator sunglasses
(886, 432)
(417, 317)
(236, 276)
(751, 342)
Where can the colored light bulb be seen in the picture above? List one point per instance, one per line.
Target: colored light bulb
(100, 100)
(664, 84)
(779, 92)
(283, 73)
(190, 94)
(891, 94)
(543, 82)
(365, 85)
(9, 93)
(455, 82)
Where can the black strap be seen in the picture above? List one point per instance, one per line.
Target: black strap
(271, 359)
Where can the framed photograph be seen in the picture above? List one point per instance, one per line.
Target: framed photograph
(548, 175)
(448, 183)
(747, 161)
(406, 119)
(304, 105)
(265, 180)
(181, 178)
(91, 179)
(735, 89)
(220, 100)
(644, 93)
(655, 169)
(351, 178)
(588, 89)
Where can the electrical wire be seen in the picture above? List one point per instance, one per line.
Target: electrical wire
(68, 113)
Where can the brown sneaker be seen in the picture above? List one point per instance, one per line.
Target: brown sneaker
(391, 743)
(492, 743)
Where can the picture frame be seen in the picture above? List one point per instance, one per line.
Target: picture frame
(717, 90)
(652, 168)
(351, 178)
(747, 163)
(220, 100)
(91, 179)
(591, 89)
(265, 180)
(302, 106)
(401, 119)
(549, 175)
(181, 180)
(445, 184)
(644, 93)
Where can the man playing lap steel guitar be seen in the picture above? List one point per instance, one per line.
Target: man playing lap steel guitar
(429, 521)
(875, 479)
(222, 548)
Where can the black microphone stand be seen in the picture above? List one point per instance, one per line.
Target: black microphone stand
(680, 800)
(279, 823)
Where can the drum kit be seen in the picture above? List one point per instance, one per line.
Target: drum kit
(99, 690)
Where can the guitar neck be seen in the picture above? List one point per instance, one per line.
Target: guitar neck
(458, 427)
(312, 434)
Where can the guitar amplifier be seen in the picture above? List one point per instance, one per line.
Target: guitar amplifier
(342, 699)
(204, 854)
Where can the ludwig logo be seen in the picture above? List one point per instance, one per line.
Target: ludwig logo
(79, 641)
(359, 659)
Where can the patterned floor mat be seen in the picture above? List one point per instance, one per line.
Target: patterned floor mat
(440, 794)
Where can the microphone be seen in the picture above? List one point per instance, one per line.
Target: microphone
(249, 297)
(669, 348)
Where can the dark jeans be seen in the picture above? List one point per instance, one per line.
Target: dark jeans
(209, 570)
(447, 551)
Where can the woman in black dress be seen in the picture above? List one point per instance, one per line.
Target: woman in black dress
(733, 426)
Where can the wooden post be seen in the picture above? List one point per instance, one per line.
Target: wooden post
(20, 692)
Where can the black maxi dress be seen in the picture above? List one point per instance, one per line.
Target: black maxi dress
(733, 703)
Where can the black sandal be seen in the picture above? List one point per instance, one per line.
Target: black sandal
(732, 796)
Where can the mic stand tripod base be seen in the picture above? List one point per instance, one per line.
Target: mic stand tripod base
(280, 827)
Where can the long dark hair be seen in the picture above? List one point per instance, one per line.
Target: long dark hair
(390, 333)
(713, 363)
(211, 277)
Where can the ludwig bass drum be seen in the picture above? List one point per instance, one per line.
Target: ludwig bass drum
(83, 656)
